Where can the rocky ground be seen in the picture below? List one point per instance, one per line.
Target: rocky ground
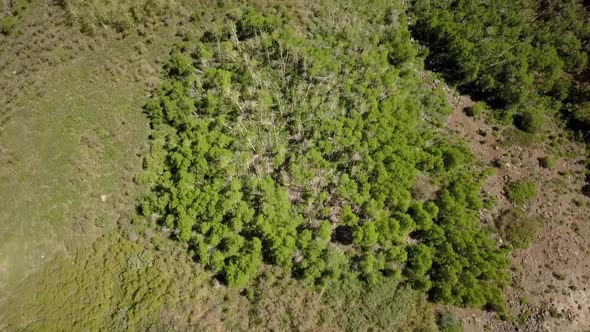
(549, 289)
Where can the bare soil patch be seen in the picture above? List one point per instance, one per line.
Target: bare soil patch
(549, 289)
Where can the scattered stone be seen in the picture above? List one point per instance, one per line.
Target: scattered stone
(216, 283)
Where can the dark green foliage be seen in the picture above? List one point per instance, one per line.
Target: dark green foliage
(180, 66)
(7, 24)
(271, 145)
(582, 113)
(520, 192)
(400, 53)
(253, 22)
(580, 116)
(464, 256)
(240, 269)
(476, 110)
(517, 227)
(511, 53)
(529, 121)
(120, 15)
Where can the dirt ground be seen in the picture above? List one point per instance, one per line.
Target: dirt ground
(549, 290)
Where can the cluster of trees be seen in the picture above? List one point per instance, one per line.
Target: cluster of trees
(526, 57)
(301, 149)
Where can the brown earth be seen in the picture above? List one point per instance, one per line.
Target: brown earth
(549, 290)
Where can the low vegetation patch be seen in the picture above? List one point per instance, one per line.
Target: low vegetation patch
(517, 227)
(512, 136)
(520, 192)
(120, 15)
(476, 110)
(299, 172)
(382, 306)
(547, 162)
(447, 322)
(123, 285)
(529, 121)
(7, 24)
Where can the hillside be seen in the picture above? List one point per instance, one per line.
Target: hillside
(269, 165)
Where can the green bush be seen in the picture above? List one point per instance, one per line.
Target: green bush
(530, 121)
(476, 110)
(520, 192)
(502, 117)
(581, 118)
(518, 228)
(447, 322)
(253, 22)
(548, 162)
(7, 24)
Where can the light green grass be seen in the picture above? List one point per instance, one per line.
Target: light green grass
(63, 149)
(116, 285)
(151, 285)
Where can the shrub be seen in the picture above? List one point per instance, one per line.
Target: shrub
(448, 323)
(580, 119)
(502, 117)
(118, 15)
(7, 24)
(520, 192)
(489, 202)
(547, 162)
(436, 102)
(402, 51)
(513, 136)
(529, 121)
(582, 113)
(253, 22)
(518, 228)
(476, 110)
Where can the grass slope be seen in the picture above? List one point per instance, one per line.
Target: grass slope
(71, 132)
(123, 285)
